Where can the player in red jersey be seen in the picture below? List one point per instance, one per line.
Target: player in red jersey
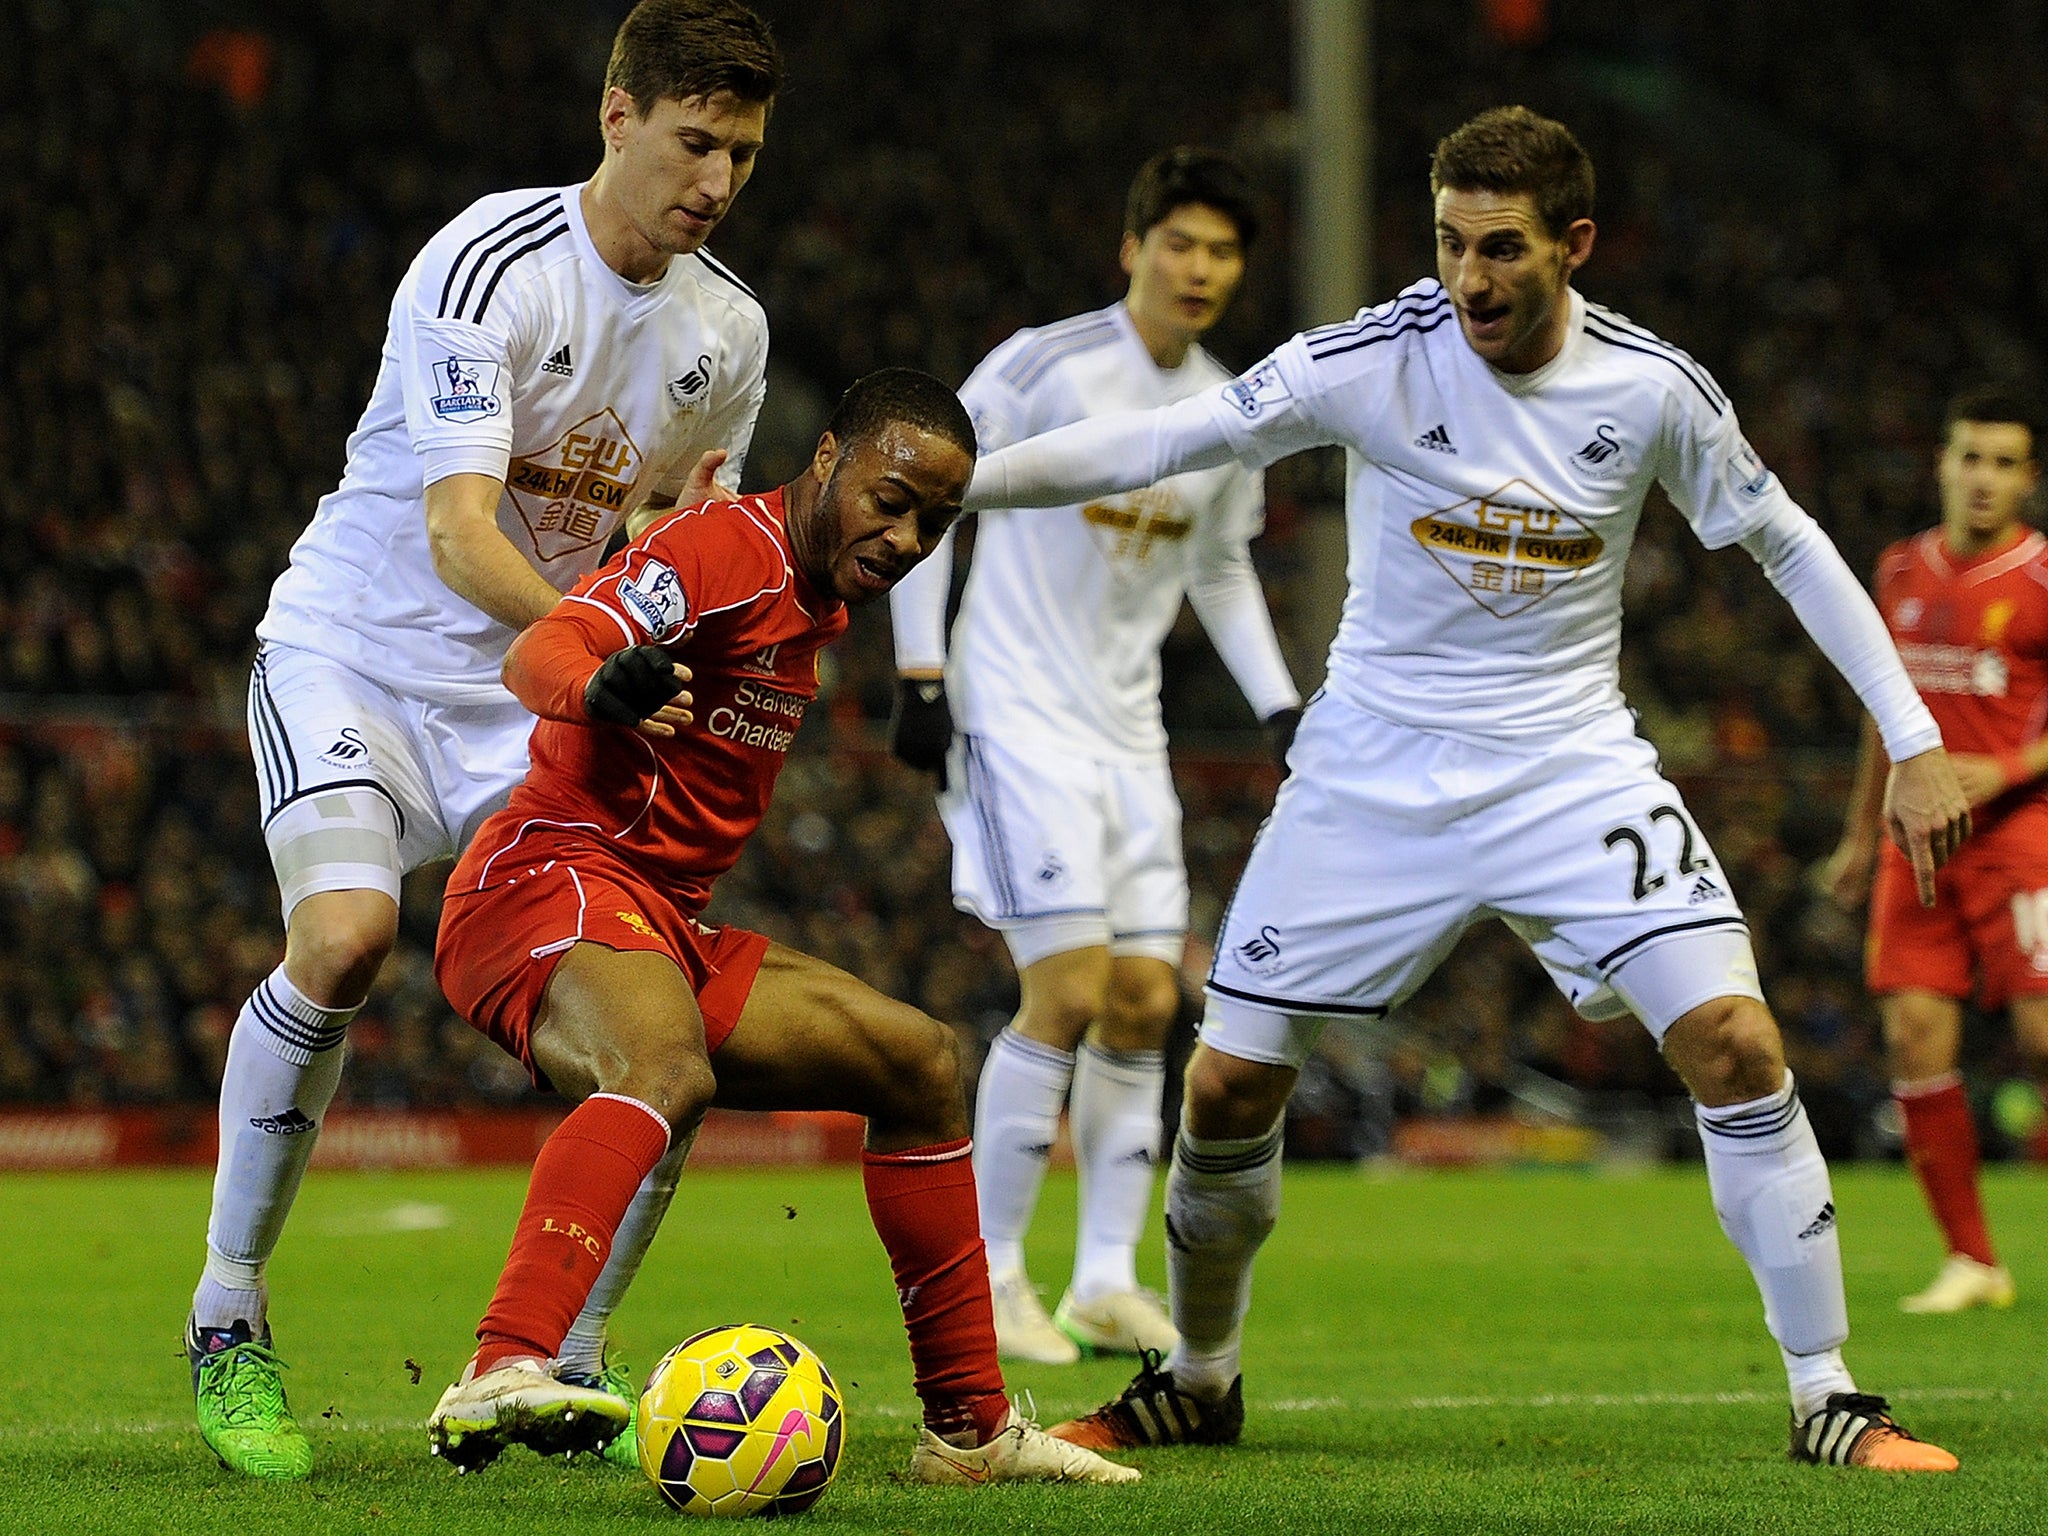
(571, 933)
(1967, 604)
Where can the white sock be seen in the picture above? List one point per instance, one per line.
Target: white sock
(582, 1352)
(1771, 1191)
(1222, 1198)
(284, 1063)
(1114, 1113)
(1016, 1118)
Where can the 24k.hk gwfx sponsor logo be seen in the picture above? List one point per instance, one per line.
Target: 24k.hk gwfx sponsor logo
(1509, 549)
(571, 493)
(1139, 520)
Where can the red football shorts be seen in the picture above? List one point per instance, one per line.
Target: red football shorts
(551, 891)
(1988, 930)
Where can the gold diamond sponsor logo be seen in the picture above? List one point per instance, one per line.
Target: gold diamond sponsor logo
(572, 493)
(1510, 549)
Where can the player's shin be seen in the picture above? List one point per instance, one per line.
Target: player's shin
(283, 1065)
(583, 1181)
(582, 1351)
(1222, 1198)
(1016, 1118)
(1115, 1114)
(1771, 1192)
(922, 1203)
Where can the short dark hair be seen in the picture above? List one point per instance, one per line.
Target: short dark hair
(1511, 149)
(679, 49)
(1185, 175)
(1994, 402)
(906, 395)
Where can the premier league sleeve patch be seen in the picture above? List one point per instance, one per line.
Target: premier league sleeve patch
(1259, 391)
(465, 389)
(1747, 471)
(653, 594)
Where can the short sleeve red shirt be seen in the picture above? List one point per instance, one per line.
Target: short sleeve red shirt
(1973, 635)
(719, 588)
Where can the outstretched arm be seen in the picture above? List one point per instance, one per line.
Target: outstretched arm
(1924, 806)
(1103, 455)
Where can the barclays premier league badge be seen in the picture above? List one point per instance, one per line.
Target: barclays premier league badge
(468, 389)
(1258, 391)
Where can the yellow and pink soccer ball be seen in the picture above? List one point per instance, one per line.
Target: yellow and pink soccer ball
(741, 1420)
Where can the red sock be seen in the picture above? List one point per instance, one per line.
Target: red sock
(583, 1181)
(1941, 1142)
(923, 1207)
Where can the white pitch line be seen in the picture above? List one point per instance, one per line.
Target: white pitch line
(1597, 1400)
(893, 1410)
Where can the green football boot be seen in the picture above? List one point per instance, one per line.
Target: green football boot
(243, 1415)
(617, 1379)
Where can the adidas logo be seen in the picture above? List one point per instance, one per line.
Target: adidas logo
(1141, 1156)
(293, 1122)
(1703, 889)
(1820, 1223)
(1036, 1149)
(1437, 440)
(560, 364)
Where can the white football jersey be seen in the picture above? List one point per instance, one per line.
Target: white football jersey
(1491, 514)
(514, 351)
(1065, 608)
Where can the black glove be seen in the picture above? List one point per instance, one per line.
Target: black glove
(631, 685)
(1280, 727)
(921, 729)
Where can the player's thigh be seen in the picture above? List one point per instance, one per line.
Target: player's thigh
(1144, 869)
(1599, 867)
(2000, 885)
(626, 1022)
(1912, 948)
(476, 755)
(1028, 833)
(1356, 888)
(347, 799)
(810, 1036)
(2030, 1030)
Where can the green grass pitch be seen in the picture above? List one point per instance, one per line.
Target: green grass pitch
(1469, 1353)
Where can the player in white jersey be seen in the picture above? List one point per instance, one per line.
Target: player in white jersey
(1061, 807)
(555, 357)
(1471, 754)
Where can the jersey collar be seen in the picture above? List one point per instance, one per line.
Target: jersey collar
(631, 295)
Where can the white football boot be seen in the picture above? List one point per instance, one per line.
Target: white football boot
(1023, 1330)
(1121, 1323)
(1020, 1453)
(519, 1403)
(1963, 1283)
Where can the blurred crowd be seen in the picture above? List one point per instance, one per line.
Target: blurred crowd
(205, 208)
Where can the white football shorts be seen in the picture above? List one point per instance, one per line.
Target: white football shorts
(1387, 842)
(360, 784)
(1061, 852)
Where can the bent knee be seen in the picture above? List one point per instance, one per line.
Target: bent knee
(335, 943)
(1230, 1098)
(920, 1076)
(1728, 1051)
(671, 1078)
(1140, 1006)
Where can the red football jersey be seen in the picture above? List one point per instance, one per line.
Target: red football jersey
(1974, 637)
(718, 587)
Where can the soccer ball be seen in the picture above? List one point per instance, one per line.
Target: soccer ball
(740, 1421)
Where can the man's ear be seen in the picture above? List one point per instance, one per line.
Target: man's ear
(1127, 253)
(1578, 244)
(826, 459)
